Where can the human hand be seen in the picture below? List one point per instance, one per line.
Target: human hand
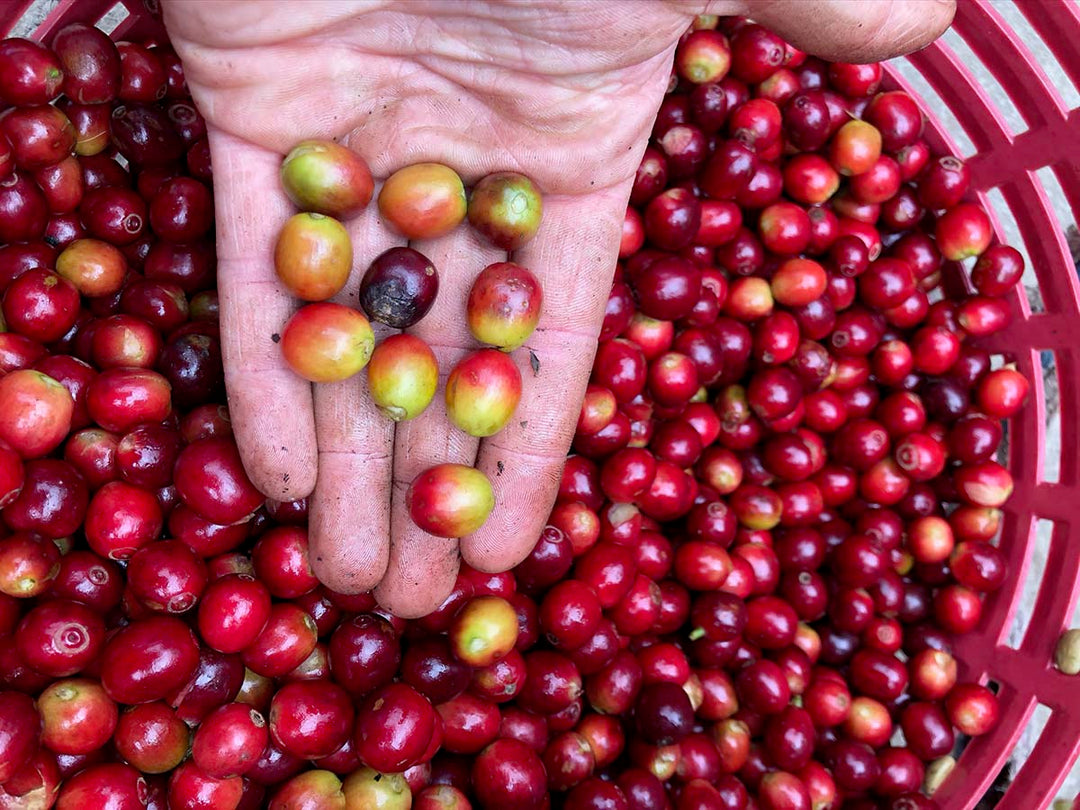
(562, 91)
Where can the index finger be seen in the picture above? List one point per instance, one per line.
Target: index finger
(573, 256)
(851, 30)
(270, 406)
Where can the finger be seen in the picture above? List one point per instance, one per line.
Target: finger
(422, 568)
(270, 406)
(573, 256)
(853, 30)
(350, 509)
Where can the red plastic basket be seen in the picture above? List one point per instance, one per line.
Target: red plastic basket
(1008, 148)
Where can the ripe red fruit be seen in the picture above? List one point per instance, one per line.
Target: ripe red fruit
(123, 787)
(394, 727)
(506, 208)
(312, 256)
(39, 135)
(468, 723)
(927, 730)
(311, 719)
(31, 72)
(997, 270)
(211, 481)
(60, 637)
(504, 305)
(190, 787)
(327, 342)
(40, 305)
(326, 177)
(668, 288)
(978, 566)
(23, 209)
(232, 612)
(756, 53)
(167, 576)
(181, 210)
(20, 726)
(984, 483)
(770, 623)
(35, 412)
(963, 231)
(286, 640)
(569, 614)
(784, 228)
(423, 201)
(148, 659)
(483, 631)
(482, 392)
(12, 475)
(364, 653)
(509, 774)
(450, 500)
(52, 502)
(672, 218)
(1002, 393)
(672, 379)
(972, 708)
(780, 790)
(119, 399)
(121, 519)
(229, 740)
(77, 717)
(402, 376)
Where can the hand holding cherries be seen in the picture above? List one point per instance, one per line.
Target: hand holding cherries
(327, 342)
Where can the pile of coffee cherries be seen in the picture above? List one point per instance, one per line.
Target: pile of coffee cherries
(782, 504)
(330, 342)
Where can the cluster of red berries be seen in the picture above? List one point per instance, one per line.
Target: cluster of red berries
(782, 504)
(329, 342)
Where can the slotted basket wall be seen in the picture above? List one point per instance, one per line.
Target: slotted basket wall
(1006, 149)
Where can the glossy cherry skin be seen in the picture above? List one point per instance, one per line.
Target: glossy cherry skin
(424, 200)
(229, 740)
(327, 342)
(504, 305)
(311, 719)
(211, 480)
(121, 519)
(450, 500)
(395, 725)
(20, 726)
(508, 773)
(120, 785)
(148, 659)
(36, 412)
(506, 208)
(399, 287)
(326, 177)
(364, 653)
(286, 640)
(60, 637)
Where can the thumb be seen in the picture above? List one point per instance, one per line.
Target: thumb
(852, 30)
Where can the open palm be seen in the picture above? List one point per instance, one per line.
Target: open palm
(563, 92)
